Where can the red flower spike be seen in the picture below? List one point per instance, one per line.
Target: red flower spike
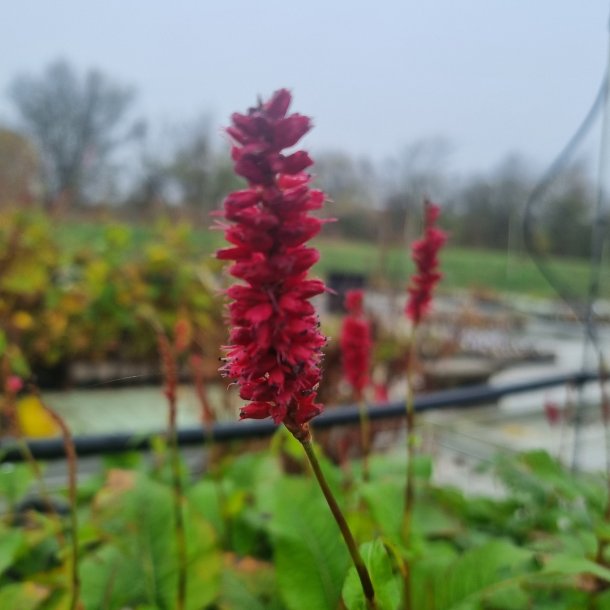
(275, 345)
(425, 255)
(356, 343)
(277, 107)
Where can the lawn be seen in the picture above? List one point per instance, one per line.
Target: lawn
(463, 268)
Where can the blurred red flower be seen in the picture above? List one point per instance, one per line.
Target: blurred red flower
(356, 343)
(424, 252)
(553, 412)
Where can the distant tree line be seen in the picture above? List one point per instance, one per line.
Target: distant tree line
(79, 144)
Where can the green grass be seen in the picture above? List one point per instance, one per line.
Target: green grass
(463, 268)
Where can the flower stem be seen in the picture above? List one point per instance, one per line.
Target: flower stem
(178, 516)
(170, 373)
(365, 437)
(207, 421)
(70, 450)
(410, 483)
(363, 574)
(42, 486)
(605, 408)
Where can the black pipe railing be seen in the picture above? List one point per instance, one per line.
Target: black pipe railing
(103, 444)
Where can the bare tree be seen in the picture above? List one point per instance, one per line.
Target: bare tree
(418, 173)
(77, 123)
(19, 168)
(191, 166)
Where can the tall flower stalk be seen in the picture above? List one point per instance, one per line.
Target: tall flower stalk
(356, 344)
(71, 460)
(275, 344)
(170, 378)
(424, 252)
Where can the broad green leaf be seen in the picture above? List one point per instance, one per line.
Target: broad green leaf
(386, 502)
(386, 583)
(570, 565)
(203, 560)
(23, 596)
(430, 520)
(111, 578)
(434, 559)
(139, 518)
(478, 572)
(602, 601)
(205, 497)
(391, 465)
(310, 555)
(18, 362)
(10, 544)
(15, 480)
(508, 597)
(251, 586)
(423, 467)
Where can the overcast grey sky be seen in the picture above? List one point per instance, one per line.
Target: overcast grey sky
(492, 76)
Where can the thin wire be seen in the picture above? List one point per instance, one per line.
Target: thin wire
(541, 260)
(599, 230)
(585, 314)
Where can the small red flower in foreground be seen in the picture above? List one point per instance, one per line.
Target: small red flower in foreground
(356, 343)
(275, 343)
(424, 252)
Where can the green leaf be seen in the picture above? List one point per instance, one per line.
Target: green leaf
(391, 465)
(111, 578)
(386, 583)
(23, 596)
(15, 480)
(509, 597)
(10, 544)
(18, 363)
(434, 558)
(140, 523)
(602, 601)
(310, 555)
(479, 572)
(203, 560)
(386, 502)
(252, 587)
(570, 565)
(205, 497)
(423, 467)
(430, 520)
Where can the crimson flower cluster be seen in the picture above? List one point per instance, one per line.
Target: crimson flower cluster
(356, 343)
(274, 350)
(424, 252)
